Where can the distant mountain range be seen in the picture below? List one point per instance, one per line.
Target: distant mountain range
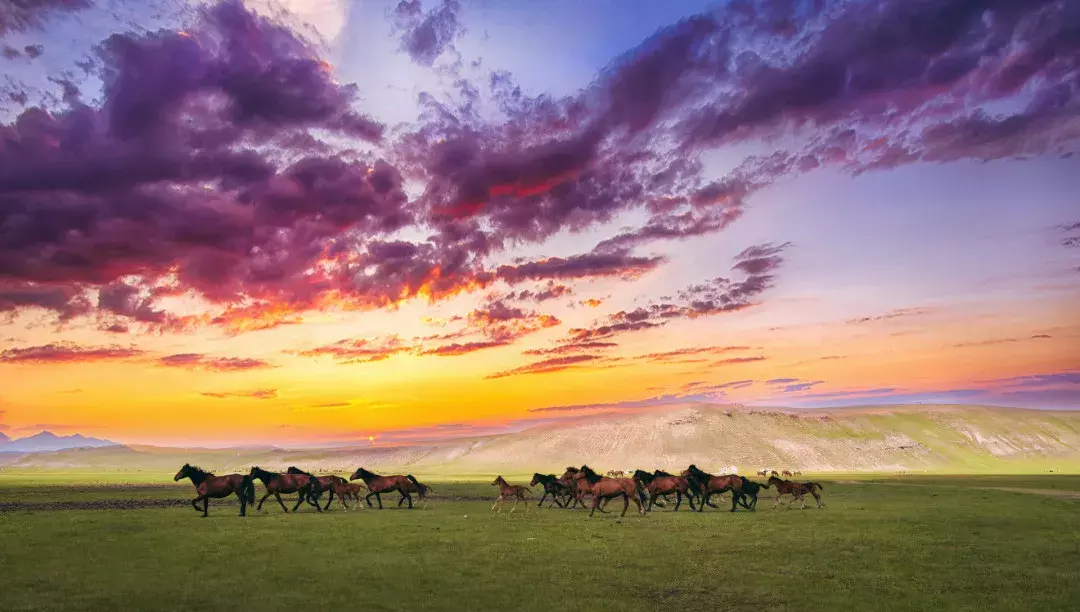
(48, 441)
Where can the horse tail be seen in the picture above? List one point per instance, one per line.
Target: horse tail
(816, 484)
(421, 489)
(247, 489)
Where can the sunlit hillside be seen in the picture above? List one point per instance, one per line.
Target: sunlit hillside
(872, 439)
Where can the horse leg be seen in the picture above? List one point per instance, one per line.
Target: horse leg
(195, 503)
(378, 498)
(206, 504)
(277, 495)
(243, 501)
(516, 501)
(408, 496)
(820, 504)
(678, 500)
(300, 500)
(626, 503)
(595, 503)
(734, 500)
(259, 507)
(704, 501)
(652, 500)
(330, 500)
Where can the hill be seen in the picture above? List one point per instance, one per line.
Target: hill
(873, 439)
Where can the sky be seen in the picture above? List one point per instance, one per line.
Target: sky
(313, 221)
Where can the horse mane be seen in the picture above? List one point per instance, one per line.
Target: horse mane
(661, 473)
(198, 470)
(295, 470)
(590, 475)
(365, 473)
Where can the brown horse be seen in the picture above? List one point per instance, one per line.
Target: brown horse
(578, 487)
(554, 487)
(797, 490)
(276, 484)
(406, 485)
(608, 488)
(763, 473)
(796, 473)
(666, 485)
(508, 490)
(208, 485)
(705, 485)
(326, 483)
(786, 473)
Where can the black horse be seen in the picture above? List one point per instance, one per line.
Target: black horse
(750, 489)
(552, 486)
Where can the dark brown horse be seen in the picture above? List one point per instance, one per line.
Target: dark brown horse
(276, 484)
(666, 485)
(208, 485)
(797, 490)
(406, 485)
(553, 486)
(608, 488)
(578, 487)
(706, 485)
(508, 490)
(750, 490)
(326, 483)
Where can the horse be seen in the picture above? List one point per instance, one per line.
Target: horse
(797, 490)
(421, 490)
(786, 473)
(773, 473)
(665, 485)
(406, 485)
(208, 485)
(508, 490)
(616, 474)
(763, 473)
(552, 486)
(276, 484)
(607, 488)
(705, 485)
(578, 487)
(326, 483)
(796, 473)
(750, 489)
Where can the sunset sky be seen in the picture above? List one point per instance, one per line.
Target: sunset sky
(310, 221)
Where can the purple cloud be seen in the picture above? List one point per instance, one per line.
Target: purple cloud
(427, 36)
(67, 352)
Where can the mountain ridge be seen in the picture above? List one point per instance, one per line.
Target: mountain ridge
(45, 441)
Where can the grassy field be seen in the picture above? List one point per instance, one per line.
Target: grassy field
(893, 543)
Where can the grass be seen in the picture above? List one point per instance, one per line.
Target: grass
(887, 544)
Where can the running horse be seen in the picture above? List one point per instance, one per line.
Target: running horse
(508, 490)
(208, 485)
(664, 485)
(329, 483)
(750, 489)
(705, 485)
(406, 485)
(797, 490)
(553, 487)
(276, 484)
(609, 488)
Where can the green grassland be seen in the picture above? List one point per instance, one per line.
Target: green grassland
(883, 542)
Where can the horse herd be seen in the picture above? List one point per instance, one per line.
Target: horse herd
(646, 489)
(570, 490)
(294, 480)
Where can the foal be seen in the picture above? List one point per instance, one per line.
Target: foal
(797, 490)
(506, 490)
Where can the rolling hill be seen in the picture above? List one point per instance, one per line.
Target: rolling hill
(958, 439)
